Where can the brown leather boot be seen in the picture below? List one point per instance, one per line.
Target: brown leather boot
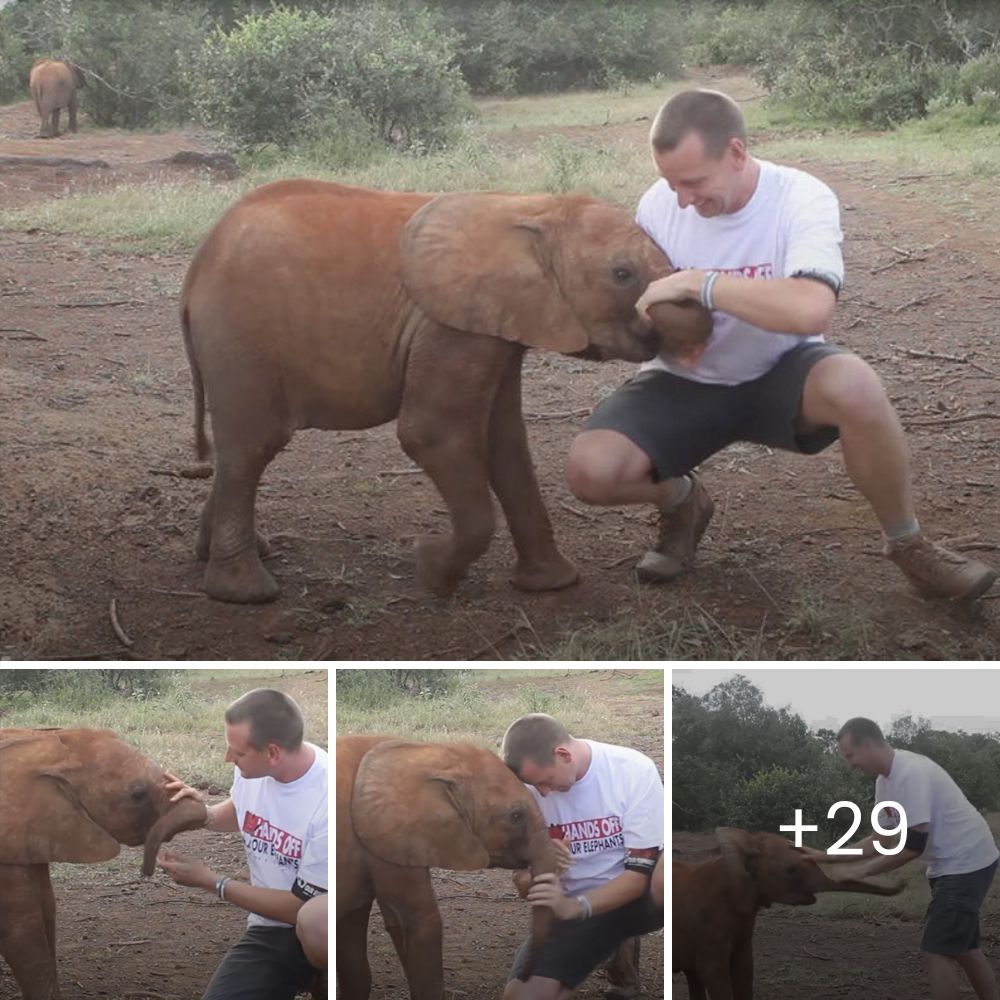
(680, 531)
(938, 572)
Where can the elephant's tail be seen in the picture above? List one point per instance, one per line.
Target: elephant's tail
(200, 438)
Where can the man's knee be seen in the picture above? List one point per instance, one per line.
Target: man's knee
(600, 460)
(842, 388)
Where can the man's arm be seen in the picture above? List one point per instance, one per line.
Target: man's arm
(800, 306)
(276, 904)
(622, 889)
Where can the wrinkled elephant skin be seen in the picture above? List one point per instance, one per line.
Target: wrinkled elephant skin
(715, 905)
(403, 808)
(313, 304)
(71, 795)
(53, 86)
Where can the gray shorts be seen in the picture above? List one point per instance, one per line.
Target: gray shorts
(952, 926)
(575, 948)
(679, 423)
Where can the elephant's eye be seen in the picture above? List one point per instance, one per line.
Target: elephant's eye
(623, 275)
(138, 793)
(517, 815)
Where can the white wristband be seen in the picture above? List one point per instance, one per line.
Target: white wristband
(588, 910)
(707, 286)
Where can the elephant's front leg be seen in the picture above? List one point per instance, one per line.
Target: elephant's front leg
(72, 113)
(540, 566)
(354, 975)
(26, 923)
(742, 969)
(411, 917)
(451, 380)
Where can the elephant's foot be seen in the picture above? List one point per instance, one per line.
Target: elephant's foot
(203, 546)
(240, 579)
(555, 574)
(436, 565)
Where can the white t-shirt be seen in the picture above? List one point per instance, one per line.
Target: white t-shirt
(615, 807)
(284, 828)
(959, 839)
(791, 223)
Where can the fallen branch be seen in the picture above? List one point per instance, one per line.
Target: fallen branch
(919, 301)
(30, 334)
(986, 415)
(99, 305)
(586, 515)
(123, 636)
(401, 472)
(178, 593)
(560, 415)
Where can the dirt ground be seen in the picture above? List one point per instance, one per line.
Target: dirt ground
(483, 918)
(95, 427)
(799, 954)
(120, 936)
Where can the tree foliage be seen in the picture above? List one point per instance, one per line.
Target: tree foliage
(739, 762)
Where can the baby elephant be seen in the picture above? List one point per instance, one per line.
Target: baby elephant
(313, 304)
(53, 86)
(716, 904)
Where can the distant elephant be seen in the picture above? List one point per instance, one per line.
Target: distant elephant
(313, 304)
(403, 808)
(715, 905)
(70, 795)
(53, 86)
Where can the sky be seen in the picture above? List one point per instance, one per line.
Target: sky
(879, 694)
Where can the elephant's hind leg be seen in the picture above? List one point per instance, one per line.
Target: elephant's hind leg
(235, 572)
(354, 975)
(540, 566)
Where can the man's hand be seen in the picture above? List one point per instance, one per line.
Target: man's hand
(546, 891)
(186, 872)
(179, 790)
(681, 286)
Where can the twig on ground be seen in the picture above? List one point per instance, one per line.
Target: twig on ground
(100, 305)
(28, 334)
(123, 636)
(560, 415)
(983, 415)
(918, 301)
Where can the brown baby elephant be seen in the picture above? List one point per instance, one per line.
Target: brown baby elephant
(313, 304)
(53, 86)
(716, 904)
(403, 808)
(70, 795)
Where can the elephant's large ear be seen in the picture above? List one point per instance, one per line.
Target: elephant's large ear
(41, 817)
(484, 263)
(413, 805)
(739, 855)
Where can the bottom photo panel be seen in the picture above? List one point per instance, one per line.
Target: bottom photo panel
(834, 833)
(500, 833)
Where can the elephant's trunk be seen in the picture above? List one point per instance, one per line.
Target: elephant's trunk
(544, 855)
(185, 815)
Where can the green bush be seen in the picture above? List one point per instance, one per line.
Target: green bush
(835, 82)
(509, 46)
(132, 59)
(15, 64)
(288, 76)
(980, 76)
